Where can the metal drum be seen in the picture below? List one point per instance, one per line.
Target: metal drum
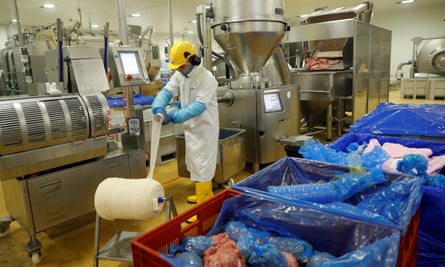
(431, 57)
(37, 122)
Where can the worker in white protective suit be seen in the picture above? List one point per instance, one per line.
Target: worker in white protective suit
(198, 112)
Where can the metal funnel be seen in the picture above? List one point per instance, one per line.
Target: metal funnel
(248, 31)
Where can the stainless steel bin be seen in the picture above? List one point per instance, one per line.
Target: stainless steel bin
(231, 154)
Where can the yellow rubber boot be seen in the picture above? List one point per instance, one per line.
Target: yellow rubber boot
(203, 191)
(191, 199)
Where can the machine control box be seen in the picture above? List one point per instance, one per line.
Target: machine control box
(127, 67)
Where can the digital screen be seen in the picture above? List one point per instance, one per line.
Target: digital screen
(130, 62)
(272, 102)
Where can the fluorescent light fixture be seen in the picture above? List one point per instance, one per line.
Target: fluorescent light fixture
(406, 1)
(193, 21)
(48, 5)
(95, 26)
(135, 15)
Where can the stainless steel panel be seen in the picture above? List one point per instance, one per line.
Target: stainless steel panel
(88, 76)
(323, 85)
(361, 65)
(322, 31)
(32, 161)
(242, 114)
(263, 130)
(67, 194)
(231, 154)
(274, 126)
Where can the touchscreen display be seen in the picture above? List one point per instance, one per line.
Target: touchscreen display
(130, 62)
(272, 102)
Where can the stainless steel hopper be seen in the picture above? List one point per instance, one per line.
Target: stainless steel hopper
(248, 32)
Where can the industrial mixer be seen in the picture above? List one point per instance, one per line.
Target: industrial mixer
(250, 32)
(427, 74)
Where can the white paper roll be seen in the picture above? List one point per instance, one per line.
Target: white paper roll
(129, 199)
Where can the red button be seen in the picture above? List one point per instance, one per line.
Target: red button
(129, 76)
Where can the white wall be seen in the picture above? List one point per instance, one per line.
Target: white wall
(406, 24)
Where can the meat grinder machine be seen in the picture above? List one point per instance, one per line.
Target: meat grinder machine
(249, 33)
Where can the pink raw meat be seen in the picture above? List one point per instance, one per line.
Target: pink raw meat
(223, 253)
(398, 150)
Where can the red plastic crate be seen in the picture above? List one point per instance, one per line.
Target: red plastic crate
(147, 247)
(408, 243)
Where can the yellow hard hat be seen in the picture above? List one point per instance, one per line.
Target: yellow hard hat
(181, 51)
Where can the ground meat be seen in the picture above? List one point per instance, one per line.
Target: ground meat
(223, 253)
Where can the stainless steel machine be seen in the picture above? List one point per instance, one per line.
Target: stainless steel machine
(54, 149)
(341, 64)
(427, 69)
(250, 32)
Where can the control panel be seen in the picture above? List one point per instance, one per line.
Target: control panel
(127, 67)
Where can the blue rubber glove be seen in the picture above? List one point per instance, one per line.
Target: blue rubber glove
(176, 104)
(161, 100)
(167, 119)
(191, 110)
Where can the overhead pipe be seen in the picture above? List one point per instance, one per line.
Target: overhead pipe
(122, 18)
(19, 25)
(170, 22)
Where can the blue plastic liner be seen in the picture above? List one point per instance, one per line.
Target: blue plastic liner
(431, 233)
(431, 237)
(425, 120)
(353, 242)
(342, 143)
(114, 101)
(369, 205)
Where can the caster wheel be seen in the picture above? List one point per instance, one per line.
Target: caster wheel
(229, 183)
(36, 257)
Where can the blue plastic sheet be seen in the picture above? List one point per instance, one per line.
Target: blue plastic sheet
(115, 101)
(353, 243)
(431, 234)
(292, 171)
(308, 231)
(431, 242)
(422, 120)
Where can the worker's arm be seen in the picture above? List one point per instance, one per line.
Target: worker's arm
(161, 100)
(191, 110)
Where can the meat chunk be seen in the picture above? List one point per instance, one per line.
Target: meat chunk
(223, 253)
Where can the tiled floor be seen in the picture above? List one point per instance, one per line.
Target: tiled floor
(72, 245)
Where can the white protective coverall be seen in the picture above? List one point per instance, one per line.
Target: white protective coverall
(201, 133)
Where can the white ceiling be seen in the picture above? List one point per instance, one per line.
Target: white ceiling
(155, 12)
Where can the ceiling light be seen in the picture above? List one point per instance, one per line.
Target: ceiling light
(94, 26)
(193, 21)
(48, 6)
(405, 2)
(135, 15)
